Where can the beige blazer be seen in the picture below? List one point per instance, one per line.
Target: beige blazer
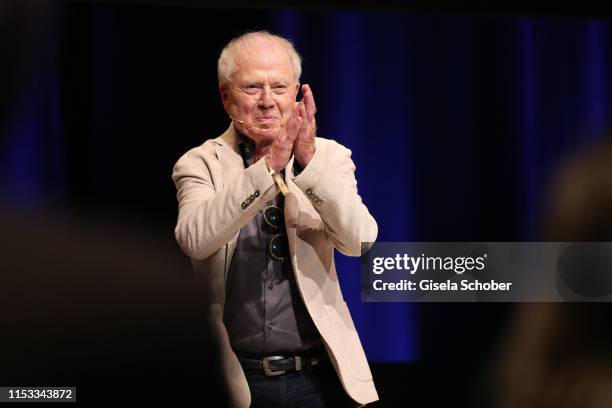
(323, 211)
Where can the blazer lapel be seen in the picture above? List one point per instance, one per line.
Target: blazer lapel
(231, 166)
(229, 157)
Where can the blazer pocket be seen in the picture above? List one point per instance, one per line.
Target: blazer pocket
(347, 341)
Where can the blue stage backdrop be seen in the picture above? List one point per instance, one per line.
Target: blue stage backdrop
(455, 123)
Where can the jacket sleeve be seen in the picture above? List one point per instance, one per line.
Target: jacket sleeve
(329, 183)
(209, 216)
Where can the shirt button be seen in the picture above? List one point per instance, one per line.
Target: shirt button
(243, 205)
(252, 197)
(269, 326)
(309, 192)
(256, 193)
(271, 286)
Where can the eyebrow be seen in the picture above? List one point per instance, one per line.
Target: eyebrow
(260, 83)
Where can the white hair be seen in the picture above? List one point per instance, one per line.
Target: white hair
(227, 60)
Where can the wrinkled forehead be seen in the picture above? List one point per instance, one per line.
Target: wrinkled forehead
(262, 58)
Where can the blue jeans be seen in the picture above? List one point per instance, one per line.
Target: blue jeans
(313, 387)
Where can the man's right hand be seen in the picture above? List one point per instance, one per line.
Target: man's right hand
(280, 153)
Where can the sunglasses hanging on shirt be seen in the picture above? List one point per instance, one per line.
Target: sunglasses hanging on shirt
(277, 248)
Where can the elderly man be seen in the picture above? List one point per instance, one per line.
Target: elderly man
(261, 209)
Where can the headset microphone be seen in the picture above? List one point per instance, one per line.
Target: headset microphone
(236, 120)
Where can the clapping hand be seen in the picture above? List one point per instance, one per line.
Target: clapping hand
(297, 136)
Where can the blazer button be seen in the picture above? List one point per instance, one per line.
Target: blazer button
(243, 205)
(256, 193)
(308, 192)
(252, 197)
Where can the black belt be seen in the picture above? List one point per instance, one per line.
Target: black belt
(278, 364)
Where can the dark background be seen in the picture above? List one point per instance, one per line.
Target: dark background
(457, 118)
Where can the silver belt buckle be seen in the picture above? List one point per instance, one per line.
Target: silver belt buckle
(266, 365)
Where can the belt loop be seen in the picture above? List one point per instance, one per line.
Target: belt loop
(298, 363)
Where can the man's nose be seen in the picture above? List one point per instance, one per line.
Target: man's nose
(266, 101)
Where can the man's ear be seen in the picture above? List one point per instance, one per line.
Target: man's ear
(224, 93)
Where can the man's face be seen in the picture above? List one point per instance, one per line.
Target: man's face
(262, 90)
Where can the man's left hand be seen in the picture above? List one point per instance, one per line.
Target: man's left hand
(304, 145)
